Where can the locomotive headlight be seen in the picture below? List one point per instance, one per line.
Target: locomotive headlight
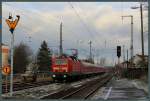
(54, 75)
(65, 76)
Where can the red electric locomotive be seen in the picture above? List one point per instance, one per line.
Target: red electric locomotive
(69, 67)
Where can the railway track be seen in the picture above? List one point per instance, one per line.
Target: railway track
(81, 91)
(20, 86)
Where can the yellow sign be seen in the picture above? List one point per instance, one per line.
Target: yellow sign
(12, 24)
(6, 70)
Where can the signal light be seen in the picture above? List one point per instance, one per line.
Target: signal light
(118, 51)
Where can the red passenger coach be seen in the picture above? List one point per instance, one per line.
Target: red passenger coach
(68, 67)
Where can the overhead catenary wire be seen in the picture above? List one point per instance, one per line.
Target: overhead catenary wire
(89, 29)
(20, 10)
(57, 21)
(81, 20)
(79, 17)
(26, 29)
(95, 31)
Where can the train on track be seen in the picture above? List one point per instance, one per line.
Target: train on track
(69, 68)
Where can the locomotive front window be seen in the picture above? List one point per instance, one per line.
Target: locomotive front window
(61, 62)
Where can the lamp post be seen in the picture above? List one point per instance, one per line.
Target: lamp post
(142, 38)
(12, 25)
(131, 46)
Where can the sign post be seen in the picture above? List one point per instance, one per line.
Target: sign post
(12, 25)
(6, 71)
(6, 83)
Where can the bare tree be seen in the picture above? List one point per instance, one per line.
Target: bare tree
(22, 56)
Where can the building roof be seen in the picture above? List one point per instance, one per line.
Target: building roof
(2, 44)
(142, 55)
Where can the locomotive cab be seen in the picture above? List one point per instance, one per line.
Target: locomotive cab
(60, 68)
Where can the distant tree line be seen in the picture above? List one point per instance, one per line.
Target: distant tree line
(23, 55)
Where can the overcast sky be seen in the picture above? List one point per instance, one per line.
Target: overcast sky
(99, 22)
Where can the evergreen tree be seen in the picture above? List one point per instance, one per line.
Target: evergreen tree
(44, 57)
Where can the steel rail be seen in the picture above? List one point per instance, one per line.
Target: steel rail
(21, 86)
(67, 93)
(92, 87)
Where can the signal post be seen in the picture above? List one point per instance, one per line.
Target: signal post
(6, 71)
(12, 25)
(118, 55)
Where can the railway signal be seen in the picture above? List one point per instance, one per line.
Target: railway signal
(12, 25)
(118, 53)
